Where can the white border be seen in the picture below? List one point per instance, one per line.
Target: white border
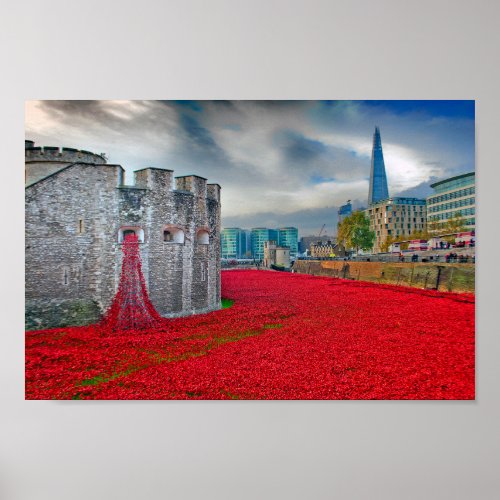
(263, 49)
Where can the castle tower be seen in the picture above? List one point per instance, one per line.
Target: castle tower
(41, 162)
(78, 215)
(378, 179)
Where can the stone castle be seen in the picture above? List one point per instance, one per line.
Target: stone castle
(78, 211)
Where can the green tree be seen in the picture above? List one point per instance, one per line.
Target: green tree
(455, 224)
(388, 242)
(354, 232)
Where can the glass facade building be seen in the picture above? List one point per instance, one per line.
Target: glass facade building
(453, 198)
(259, 236)
(237, 243)
(378, 178)
(289, 237)
(246, 242)
(229, 242)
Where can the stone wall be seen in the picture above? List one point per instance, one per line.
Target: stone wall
(73, 253)
(441, 276)
(70, 256)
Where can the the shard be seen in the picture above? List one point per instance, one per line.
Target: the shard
(378, 179)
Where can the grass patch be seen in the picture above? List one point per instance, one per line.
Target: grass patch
(193, 394)
(225, 303)
(272, 326)
(229, 394)
(99, 379)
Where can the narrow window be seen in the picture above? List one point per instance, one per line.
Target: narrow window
(80, 226)
(65, 276)
(203, 273)
(167, 236)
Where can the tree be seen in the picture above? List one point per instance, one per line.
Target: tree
(388, 242)
(455, 224)
(354, 232)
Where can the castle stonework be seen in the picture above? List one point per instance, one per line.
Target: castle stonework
(78, 212)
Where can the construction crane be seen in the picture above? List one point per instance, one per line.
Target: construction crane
(321, 230)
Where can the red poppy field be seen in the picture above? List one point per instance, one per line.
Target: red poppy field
(286, 336)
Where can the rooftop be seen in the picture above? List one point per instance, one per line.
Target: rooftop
(451, 179)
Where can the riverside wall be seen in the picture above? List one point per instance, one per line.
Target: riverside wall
(427, 275)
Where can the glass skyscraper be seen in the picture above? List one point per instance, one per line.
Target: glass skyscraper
(378, 179)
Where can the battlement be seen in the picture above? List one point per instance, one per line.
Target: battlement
(213, 192)
(160, 178)
(151, 178)
(45, 161)
(192, 183)
(34, 153)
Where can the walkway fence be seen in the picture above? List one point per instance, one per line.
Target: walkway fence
(432, 276)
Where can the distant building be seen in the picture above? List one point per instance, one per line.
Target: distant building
(378, 178)
(276, 255)
(231, 243)
(246, 243)
(289, 237)
(344, 211)
(324, 249)
(306, 241)
(398, 217)
(452, 198)
(284, 236)
(259, 236)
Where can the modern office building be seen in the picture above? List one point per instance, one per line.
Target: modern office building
(246, 243)
(452, 198)
(259, 236)
(230, 243)
(236, 243)
(398, 217)
(378, 178)
(289, 237)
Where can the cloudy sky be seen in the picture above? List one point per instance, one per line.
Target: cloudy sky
(278, 162)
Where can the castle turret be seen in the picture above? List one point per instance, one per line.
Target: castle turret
(41, 162)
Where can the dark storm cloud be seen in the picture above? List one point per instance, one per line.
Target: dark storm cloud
(199, 136)
(193, 105)
(80, 112)
(298, 148)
